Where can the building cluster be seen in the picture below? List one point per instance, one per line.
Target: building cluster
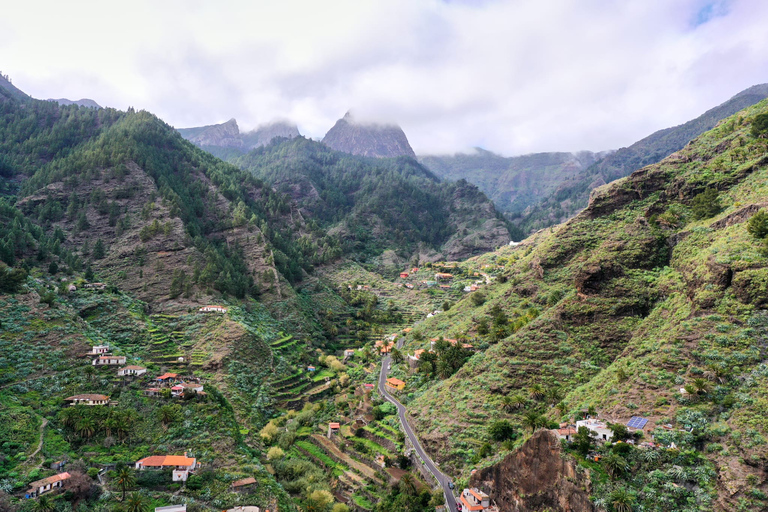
(475, 500)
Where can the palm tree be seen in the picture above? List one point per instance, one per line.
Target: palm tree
(167, 415)
(86, 427)
(561, 407)
(621, 500)
(408, 484)
(518, 401)
(700, 385)
(533, 420)
(125, 479)
(136, 503)
(507, 403)
(554, 395)
(44, 504)
(397, 356)
(615, 465)
(536, 391)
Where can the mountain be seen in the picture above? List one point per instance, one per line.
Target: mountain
(375, 205)
(650, 302)
(8, 90)
(85, 102)
(513, 183)
(367, 139)
(572, 193)
(226, 139)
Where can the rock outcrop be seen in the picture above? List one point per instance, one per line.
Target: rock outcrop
(373, 140)
(537, 476)
(228, 135)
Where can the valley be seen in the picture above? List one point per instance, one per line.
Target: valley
(298, 327)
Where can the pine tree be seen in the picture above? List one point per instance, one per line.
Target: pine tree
(98, 250)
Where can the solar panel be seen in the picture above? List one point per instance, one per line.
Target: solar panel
(637, 422)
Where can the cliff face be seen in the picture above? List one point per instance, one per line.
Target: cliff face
(373, 140)
(227, 136)
(536, 477)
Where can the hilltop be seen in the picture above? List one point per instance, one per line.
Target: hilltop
(84, 102)
(367, 139)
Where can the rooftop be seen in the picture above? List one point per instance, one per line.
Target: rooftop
(50, 480)
(87, 396)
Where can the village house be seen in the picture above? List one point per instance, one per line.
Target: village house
(46, 485)
(179, 389)
(167, 378)
(109, 361)
(442, 276)
(601, 430)
(566, 433)
(244, 485)
(476, 500)
(333, 428)
(213, 309)
(132, 371)
(409, 286)
(98, 350)
(88, 399)
(182, 465)
(394, 384)
(413, 360)
(349, 353)
(414, 270)
(310, 368)
(368, 386)
(96, 286)
(153, 392)
(172, 508)
(404, 275)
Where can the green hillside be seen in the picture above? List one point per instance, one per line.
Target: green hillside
(659, 285)
(375, 205)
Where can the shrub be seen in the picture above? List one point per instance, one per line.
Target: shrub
(758, 225)
(706, 204)
(760, 126)
(478, 298)
(502, 430)
(275, 453)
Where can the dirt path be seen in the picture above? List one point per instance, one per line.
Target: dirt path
(40, 444)
(332, 448)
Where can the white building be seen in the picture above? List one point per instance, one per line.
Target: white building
(600, 428)
(182, 465)
(47, 484)
(98, 350)
(213, 309)
(134, 371)
(172, 508)
(476, 500)
(109, 361)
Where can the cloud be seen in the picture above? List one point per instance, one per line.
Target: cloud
(511, 76)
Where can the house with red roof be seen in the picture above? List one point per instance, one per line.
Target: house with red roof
(178, 389)
(181, 465)
(167, 378)
(45, 485)
(394, 384)
(333, 428)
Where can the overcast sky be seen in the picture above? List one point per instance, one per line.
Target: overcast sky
(513, 77)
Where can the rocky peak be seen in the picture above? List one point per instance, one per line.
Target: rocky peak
(367, 139)
(225, 135)
(83, 102)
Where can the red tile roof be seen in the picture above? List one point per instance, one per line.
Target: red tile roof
(166, 460)
(245, 481)
(334, 425)
(87, 396)
(50, 480)
(167, 376)
(395, 382)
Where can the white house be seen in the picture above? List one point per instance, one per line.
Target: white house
(476, 500)
(109, 361)
(213, 309)
(182, 465)
(178, 389)
(349, 353)
(88, 399)
(99, 350)
(134, 371)
(600, 428)
(47, 484)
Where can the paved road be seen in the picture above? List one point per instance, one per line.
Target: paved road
(401, 411)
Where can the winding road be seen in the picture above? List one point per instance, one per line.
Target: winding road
(401, 411)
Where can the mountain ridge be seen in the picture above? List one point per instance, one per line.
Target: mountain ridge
(368, 139)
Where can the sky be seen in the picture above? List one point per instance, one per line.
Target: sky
(513, 77)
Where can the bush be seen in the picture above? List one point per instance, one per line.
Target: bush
(275, 453)
(760, 126)
(478, 298)
(758, 225)
(706, 204)
(502, 430)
